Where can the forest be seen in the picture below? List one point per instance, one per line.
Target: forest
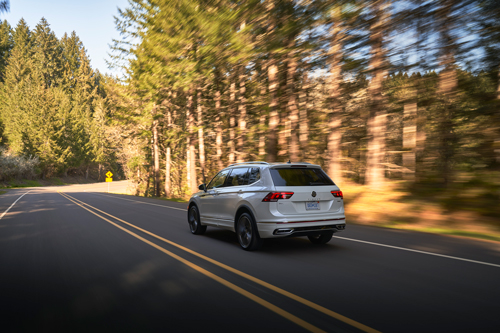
(398, 100)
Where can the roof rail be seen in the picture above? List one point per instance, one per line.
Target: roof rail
(251, 162)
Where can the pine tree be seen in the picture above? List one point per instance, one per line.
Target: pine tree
(6, 44)
(48, 99)
(17, 76)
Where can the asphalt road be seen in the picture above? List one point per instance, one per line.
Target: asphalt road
(84, 260)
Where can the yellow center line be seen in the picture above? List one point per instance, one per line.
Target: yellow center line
(278, 290)
(264, 303)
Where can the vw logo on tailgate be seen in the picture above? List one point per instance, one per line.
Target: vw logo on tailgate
(313, 194)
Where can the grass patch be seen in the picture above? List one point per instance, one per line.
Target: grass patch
(434, 210)
(3, 192)
(172, 199)
(157, 198)
(57, 181)
(444, 231)
(477, 193)
(22, 183)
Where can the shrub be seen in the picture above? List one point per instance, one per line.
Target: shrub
(17, 167)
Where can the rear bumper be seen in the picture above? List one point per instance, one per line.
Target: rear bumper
(299, 228)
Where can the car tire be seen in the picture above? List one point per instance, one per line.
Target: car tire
(322, 238)
(247, 233)
(194, 221)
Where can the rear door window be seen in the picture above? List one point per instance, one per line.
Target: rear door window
(299, 177)
(237, 177)
(253, 175)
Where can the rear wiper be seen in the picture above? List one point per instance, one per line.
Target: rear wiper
(317, 183)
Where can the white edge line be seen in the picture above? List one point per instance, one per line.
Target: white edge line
(1, 216)
(418, 251)
(146, 203)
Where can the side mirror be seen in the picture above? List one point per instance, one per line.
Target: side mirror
(202, 187)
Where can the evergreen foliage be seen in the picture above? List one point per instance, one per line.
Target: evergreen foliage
(51, 105)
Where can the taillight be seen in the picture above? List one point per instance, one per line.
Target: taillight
(338, 194)
(275, 196)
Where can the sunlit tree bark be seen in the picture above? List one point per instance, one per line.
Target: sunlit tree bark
(303, 118)
(335, 121)
(272, 73)
(168, 167)
(232, 122)
(156, 152)
(447, 91)
(283, 120)
(201, 139)
(218, 138)
(242, 121)
(190, 148)
(376, 126)
(273, 114)
(497, 139)
(262, 118)
(292, 110)
(168, 156)
(410, 135)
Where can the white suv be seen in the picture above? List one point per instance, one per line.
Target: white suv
(269, 200)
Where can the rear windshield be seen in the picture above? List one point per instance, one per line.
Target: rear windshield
(299, 177)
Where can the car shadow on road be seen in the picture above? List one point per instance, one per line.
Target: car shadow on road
(298, 245)
(277, 245)
(225, 236)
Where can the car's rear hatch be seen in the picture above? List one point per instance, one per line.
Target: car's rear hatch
(311, 187)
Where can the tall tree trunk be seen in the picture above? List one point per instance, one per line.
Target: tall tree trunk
(273, 114)
(262, 119)
(410, 135)
(156, 157)
(242, 116)
(262, 136)
(188, 164)
(272, 73)
(148, 182)
(375, 156)
(218, 137)
(232, 98)
(201, 141)
(335, 120)
(303, 119)
(447, 91)
(292, 110)
(421, 135)
(284, 128)
(496, 143)
(375, 171)
(190, 154)
(168, 163)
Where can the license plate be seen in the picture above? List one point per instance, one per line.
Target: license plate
(312, 205)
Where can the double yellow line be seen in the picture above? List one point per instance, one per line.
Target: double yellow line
(226, 283)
